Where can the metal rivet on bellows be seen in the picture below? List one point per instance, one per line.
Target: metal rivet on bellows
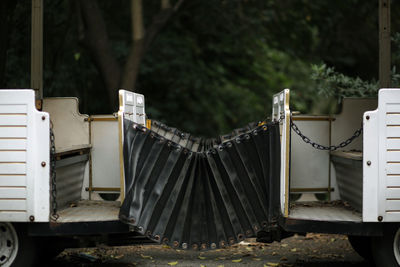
(255, 227)
(157, 237)
(176, 244)
(43, 164)
(369, 163)
(229, 144)
(165, 240)
(148, 233)
(32, 218)
(203, 246)
(184, 245)
(380, 218)
(231, 240)
(264, 224)
(237, 140)
(247, 137)
(152, 135)
(221, 244)
(240, 236)
(132, 220)
(140, 229)
(220, 148)
(214, 246)
(248, 232)
(265, 128)
(43, 118)
(255, 132)
(195, 246)
(367, 117)
(169, 143)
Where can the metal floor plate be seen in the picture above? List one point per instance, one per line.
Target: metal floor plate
(90, 211)
(316, 211)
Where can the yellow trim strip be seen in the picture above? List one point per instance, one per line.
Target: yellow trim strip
(121, 153)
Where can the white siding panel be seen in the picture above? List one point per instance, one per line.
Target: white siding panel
(10, 192)
(13, 119)
(12, 132)
(393, 155)
(393, 180)
(12, 180)
(393, 131)
(12, 168)
(392, 193)
(12, 144)
(12, 204)
(392, 107)
(12, 156)
(393, 119)
(13, 109)
(393, 143)
(393, 205)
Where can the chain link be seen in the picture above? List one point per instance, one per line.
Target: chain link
(54, 214)
(322, 147)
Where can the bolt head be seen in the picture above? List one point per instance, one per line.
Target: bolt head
(32, 218)
(380, 218)
(367, 117)
(369, 163)
(43, 164)
(43, 118)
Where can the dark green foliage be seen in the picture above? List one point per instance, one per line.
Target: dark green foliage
(217, 63)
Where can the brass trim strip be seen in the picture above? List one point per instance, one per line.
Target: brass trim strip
(304, 190)
(107, 189)
(148, 124)
(103, 119)
(308, 118)
(287, 158)
(121, 154)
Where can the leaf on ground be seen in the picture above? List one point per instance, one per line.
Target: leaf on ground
(284, 245)
(274, 253)
(202, 265)
(172, 263)
(238, 260)
(202, 258)
(166, 246)
(293, 250)
(220, 266)
(249, 249)
(256, 259)
(271, 264)
(146, 257)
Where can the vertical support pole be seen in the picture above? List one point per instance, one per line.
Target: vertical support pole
(37, 48)
(384, 44)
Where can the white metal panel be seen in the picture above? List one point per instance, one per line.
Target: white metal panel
(24, 158)
(13, 119)
(280, 111)
(309, 166)
(71, 129)
(12, 156)
(393, 143)
(12, 168)
(105, 154)
(13, 192)
(393, 119)
(12, 180)
(13, 132)
(13, 205)
(12, 144)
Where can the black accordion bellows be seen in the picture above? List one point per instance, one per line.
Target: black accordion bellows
(194, 193)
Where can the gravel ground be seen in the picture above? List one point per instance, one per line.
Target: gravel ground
(308, 251)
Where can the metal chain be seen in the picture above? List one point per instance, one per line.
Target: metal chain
(54, 214)
(322, 147)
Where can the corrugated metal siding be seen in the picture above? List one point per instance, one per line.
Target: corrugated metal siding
(350, 180)
(69, 179)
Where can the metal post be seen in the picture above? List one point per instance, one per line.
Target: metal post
(37, 48)
(384, 44)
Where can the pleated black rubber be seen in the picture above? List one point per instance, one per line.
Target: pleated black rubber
(194, 193)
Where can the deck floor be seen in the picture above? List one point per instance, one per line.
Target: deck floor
(318, 211)
(90, 211)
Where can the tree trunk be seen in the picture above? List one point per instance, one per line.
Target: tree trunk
(94, 36)
(6, 12)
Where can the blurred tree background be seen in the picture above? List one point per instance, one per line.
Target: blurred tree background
(205, 66)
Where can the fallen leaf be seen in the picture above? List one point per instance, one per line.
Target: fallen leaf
(284, 245)
(284, 259)
(202, 265)
(146, 257)
(166, 246)
(274, 253)
(220, 266)
(249, 249)
(269, 264)
(238, 260)
(293, 250)
(202, 258)
(172, 263)
(256, 259)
